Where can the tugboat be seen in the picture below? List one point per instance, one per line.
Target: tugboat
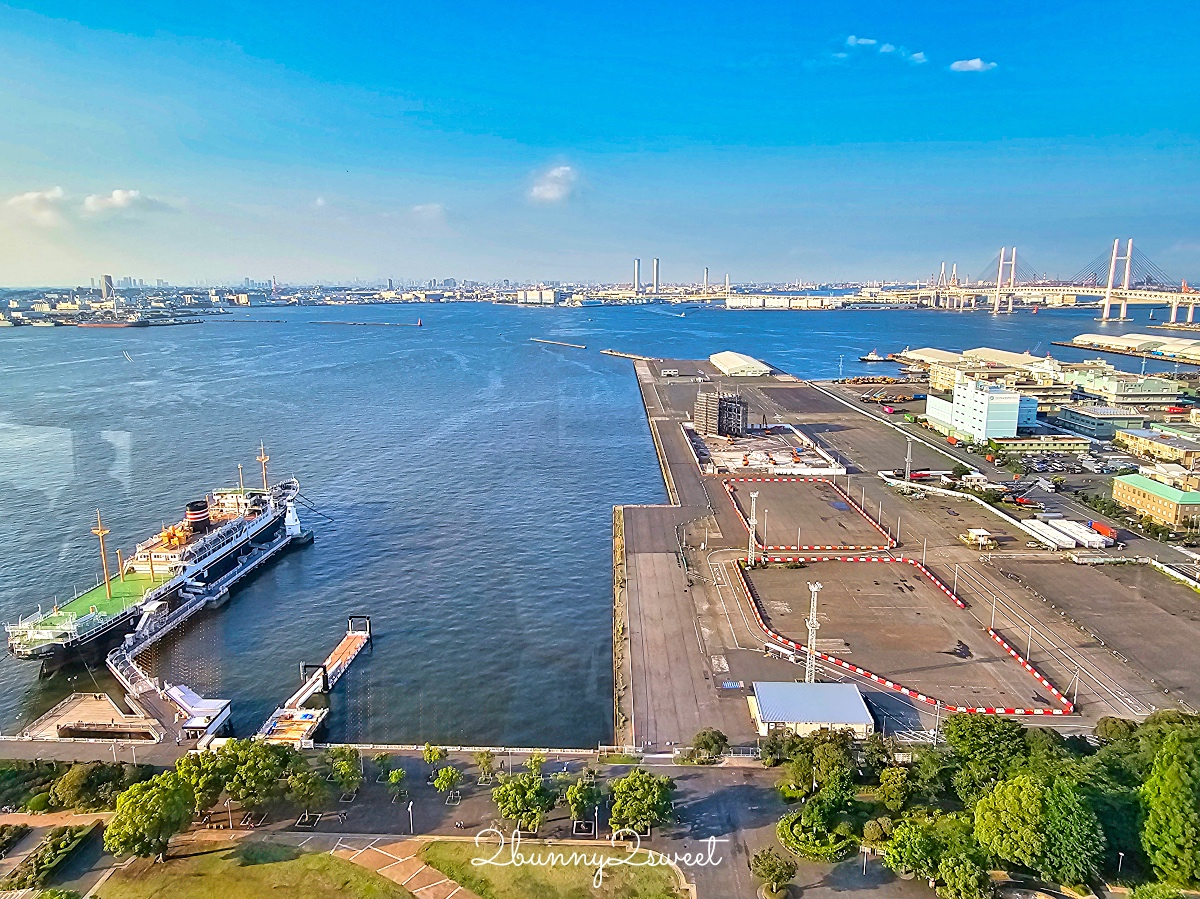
(873, 356)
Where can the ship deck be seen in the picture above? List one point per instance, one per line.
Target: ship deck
(125, 593)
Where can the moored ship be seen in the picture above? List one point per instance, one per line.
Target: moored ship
(200, 556)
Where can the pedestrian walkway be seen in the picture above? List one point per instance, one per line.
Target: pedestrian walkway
(400, 862)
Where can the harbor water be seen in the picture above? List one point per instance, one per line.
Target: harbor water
(464, 476)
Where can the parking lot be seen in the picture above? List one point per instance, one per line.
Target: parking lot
(806, 513)
(891, 620)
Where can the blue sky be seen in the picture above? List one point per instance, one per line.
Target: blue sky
(774, 141)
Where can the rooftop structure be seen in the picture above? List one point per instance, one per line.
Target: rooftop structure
(1099, 422)
(806, 708)
(722, 414)
(738, 365)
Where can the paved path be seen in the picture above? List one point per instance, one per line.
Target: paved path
(398, 861)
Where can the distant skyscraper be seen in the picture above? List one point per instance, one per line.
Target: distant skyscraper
(390, 284)
(637, 276)
(654, 288)
(706, 279)
(106, 287)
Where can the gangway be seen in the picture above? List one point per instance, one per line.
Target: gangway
(292, 723)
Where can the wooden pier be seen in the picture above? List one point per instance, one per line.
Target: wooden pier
(292, 723)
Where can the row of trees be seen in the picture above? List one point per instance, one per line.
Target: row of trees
(1001, 794)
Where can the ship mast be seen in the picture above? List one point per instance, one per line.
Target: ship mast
(100, 530)
(241, 483)
(263, 458)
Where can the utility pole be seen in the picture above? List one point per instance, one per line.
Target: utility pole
(753, 526)
(908, 461)
(810, 667)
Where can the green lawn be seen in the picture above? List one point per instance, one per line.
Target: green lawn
(550, 882)
(250, 871)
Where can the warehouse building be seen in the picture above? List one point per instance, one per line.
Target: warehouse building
(1164, 504)
(807, 708)
(738, 365)
(1099, 422)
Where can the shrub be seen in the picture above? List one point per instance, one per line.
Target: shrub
(822, 847)
(872, 832)
(39, 802)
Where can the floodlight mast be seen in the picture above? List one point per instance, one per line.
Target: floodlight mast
(750, 552)
(810, 667)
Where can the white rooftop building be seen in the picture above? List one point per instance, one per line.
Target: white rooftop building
(806, 708)
(738, 365)
(981, 410)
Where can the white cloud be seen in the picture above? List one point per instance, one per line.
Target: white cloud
(121, 200)
(432, 213)
(972, 65)
(319, 202)
(853, 41)
(887, 48)
(43, 206)
(554, 185)
(917, 58)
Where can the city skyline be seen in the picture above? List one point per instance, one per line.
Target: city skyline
(816, 144)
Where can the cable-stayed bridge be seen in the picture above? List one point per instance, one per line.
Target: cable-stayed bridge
(1122, 275)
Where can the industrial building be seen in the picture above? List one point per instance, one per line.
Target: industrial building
(722, 414)
(807, 708)
(980, 410)
(738, 365)
(1042, 443)
(1118, 388)
(1164, 504)
(1099, 422)
(1149, 444)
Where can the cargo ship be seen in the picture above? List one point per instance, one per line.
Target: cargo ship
(221, 537)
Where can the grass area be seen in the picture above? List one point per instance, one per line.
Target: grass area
(250, 871)
(560, 881)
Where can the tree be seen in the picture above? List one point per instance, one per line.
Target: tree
(780, 745)
(797, 774)
(872, 832)
(987, 749)
(307, 790)
(1171, 798)
(1110, 729)
(447, 779)
(962, 878)
(912, 848)
(148, 815)
(1146, 891)
(894, 788)
(878, 753)
(382, 761)
(960, 470)
(582, 797)
(254, 770)
(535, 762)
(710, 743)
(640, 800)
(485, 760)
(432, 754)
(772, 868)
(525, 799)
(1047, 828)
(206, 773)
(395, 781)
(831, 754)
(930, 772)
(346, 767)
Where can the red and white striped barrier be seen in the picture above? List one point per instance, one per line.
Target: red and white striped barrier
(816, 548)
(885, 682)
(1024, 663)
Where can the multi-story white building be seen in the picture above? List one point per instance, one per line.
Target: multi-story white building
(981, 410)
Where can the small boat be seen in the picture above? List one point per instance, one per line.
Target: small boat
(873, 356)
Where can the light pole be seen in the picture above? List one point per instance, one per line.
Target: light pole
(1120, 861)
(753, 526)
(411, 831)
(797, 539)
(810, 663)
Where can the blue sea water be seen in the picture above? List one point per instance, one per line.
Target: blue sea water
(467, 475)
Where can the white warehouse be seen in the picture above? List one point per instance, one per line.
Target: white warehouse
(738, 365)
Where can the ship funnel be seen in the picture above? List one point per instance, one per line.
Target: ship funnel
(196, 514)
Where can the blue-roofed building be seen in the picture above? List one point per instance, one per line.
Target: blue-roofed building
(805, 708)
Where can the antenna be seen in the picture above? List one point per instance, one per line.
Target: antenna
(100, 530)
(810, 668)
(262, 459)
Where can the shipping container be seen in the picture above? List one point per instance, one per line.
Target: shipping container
(1081, 534)
(908, 416)
(1107, 530)
(952, 441)
(1051, 537)
(888, 410)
